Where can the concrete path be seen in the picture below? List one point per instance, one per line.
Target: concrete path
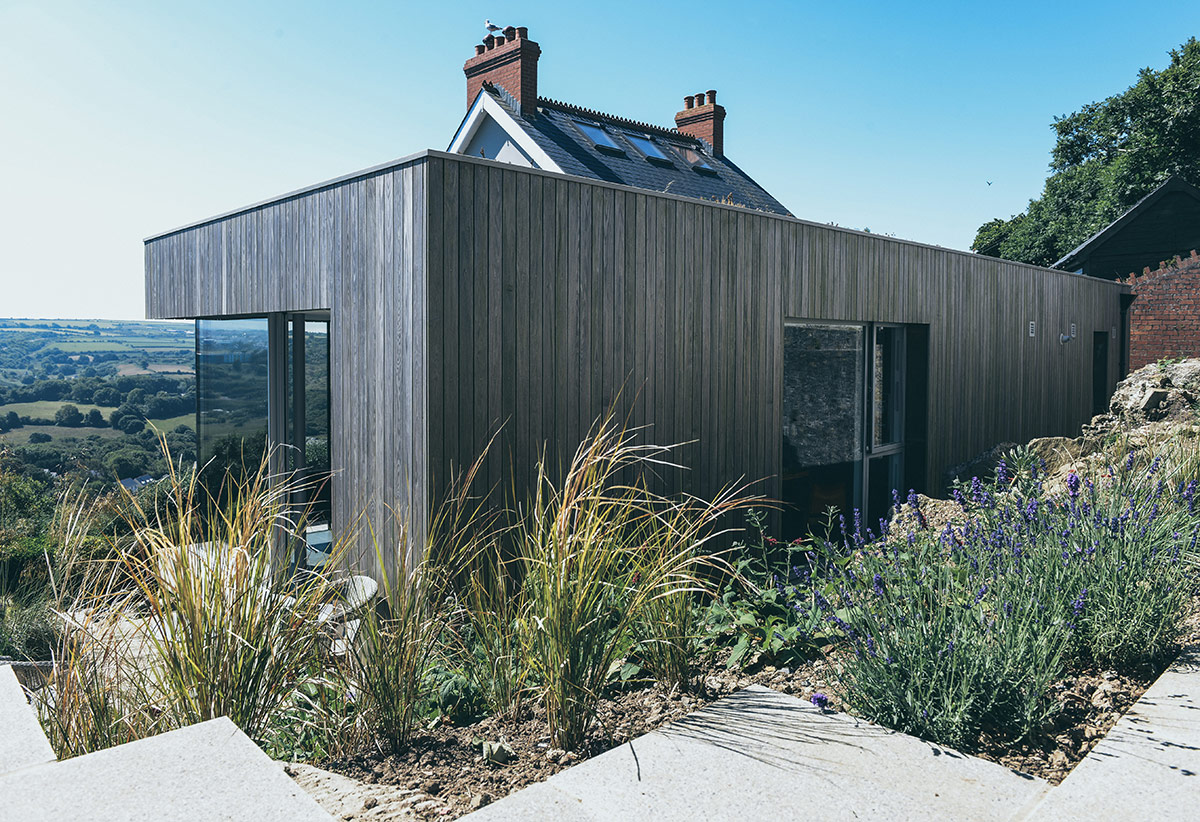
(209, 771)
(22, 743)
(1148, 765)
(762, 755)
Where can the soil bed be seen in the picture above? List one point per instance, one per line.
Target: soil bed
(446, 764)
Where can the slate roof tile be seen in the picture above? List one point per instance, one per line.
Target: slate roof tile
(554, 129)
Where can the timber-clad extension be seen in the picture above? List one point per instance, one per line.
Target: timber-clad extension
(464, 294)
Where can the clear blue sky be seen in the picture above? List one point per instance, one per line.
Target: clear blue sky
(122, 119)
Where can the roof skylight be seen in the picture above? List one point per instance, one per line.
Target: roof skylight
(697, 160)
(599, 137)
(650, 149)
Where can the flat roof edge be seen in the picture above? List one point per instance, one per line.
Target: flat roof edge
(299, 192)
(463, 158)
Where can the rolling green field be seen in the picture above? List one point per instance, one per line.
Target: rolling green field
(37, 348)
(171, 423)
(46, 409)
(20, 436)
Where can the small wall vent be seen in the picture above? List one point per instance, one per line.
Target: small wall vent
(1032, 328)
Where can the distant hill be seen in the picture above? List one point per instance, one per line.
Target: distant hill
(33, 349)
(85, 398)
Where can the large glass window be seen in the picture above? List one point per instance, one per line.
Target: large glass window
(232, 381)
(844, 408)
(822, 422)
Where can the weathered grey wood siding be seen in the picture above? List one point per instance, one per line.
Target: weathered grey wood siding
(356, 248)
(469, 297)
(552, 298)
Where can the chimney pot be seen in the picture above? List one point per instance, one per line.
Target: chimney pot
(510, 62)
(704, 120)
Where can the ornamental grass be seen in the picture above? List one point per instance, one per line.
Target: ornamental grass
(188, 618)
(600, 557)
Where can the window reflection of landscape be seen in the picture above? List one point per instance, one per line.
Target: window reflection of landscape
(231, 392)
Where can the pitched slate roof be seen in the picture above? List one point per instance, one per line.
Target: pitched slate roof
(1074, 258)
(555, 128)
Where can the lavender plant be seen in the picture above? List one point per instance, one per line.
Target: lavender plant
(960, 632)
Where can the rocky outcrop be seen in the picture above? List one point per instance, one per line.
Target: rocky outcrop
(1154, 404)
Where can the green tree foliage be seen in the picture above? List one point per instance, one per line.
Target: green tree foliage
(1108, 155)
(127, 462)
(68, 416)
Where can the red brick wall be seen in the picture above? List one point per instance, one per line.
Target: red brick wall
(1164, 320)
(509, 62)
(703, 118)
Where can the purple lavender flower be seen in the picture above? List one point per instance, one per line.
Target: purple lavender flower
(820, 700)
(914, 502)
(1031, 509)
(1001, 472)
(877, 584)
(1072, 485)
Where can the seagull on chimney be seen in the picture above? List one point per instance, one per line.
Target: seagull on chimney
(491, 27)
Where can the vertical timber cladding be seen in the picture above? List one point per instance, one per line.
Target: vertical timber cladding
(552, 298)
(469, 297)
(356, 247)
(562, 299)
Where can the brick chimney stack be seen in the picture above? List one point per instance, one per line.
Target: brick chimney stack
(509, 61)
(703, 118)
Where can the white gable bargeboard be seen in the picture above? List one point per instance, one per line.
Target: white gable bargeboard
(489, 129)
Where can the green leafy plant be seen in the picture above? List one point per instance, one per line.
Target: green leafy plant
(766, 611)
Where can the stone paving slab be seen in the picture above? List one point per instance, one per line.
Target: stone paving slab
(1148, 765)
(762, 755)
(22, 742)
(209, 771)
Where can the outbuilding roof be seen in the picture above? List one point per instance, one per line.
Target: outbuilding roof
(1077, 256)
